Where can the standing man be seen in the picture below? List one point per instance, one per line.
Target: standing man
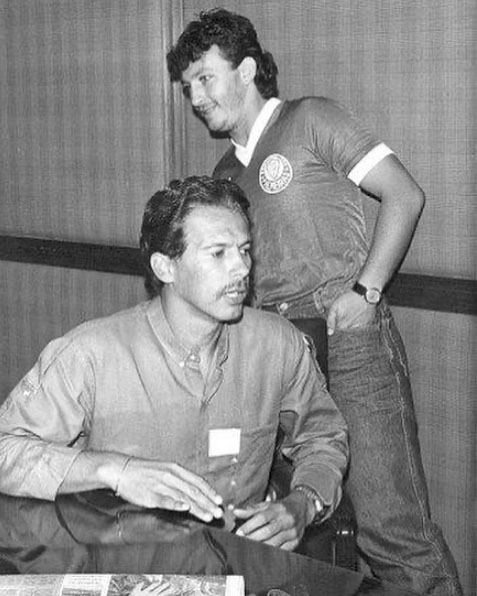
(304, 164)
(176, 403)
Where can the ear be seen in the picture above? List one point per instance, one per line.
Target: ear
(163, 267)
(247, 69)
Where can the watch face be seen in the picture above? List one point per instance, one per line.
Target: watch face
(373, 296)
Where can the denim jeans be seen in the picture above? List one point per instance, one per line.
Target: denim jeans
(369, 380)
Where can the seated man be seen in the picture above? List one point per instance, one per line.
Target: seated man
(176, 403)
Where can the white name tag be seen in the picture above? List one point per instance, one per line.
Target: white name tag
(224, 441)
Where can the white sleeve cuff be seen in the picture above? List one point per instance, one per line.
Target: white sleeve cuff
(368, 162)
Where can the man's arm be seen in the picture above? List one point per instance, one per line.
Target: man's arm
(402, 201)
(315, 440)
(34, 467)
(43, 451)
(143, 482)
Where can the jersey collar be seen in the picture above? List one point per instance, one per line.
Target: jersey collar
(244, 153)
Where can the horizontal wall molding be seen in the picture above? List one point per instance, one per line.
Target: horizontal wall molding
(442, 294)
(71, 255)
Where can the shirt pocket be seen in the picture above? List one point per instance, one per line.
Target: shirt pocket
(243, 478)
(257, 448)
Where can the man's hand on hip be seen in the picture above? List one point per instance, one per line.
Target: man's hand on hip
(349, 311)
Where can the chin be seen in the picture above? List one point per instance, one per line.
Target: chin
(215, 128)
(233, 316)
(235, 319)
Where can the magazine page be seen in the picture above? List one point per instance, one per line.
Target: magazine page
(121, 585)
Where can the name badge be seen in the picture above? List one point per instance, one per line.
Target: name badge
(224, 441)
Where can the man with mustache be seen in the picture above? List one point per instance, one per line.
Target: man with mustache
(176, 403)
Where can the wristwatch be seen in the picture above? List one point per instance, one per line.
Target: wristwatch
(371, 295)
(318, 504)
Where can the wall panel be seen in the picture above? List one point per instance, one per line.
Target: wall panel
(39, 303)
(84, 127)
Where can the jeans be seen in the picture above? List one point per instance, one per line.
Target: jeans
(369, 381)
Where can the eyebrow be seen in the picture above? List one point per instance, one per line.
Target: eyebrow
(216, 244)
(223, 243)
(196, 74)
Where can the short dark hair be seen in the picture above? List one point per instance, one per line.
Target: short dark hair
(236, 39)
(162, 227)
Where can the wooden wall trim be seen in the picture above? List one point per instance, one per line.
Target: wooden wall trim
(71, 255)
(442, 294)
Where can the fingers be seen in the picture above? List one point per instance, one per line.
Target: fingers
(289, 545)
(203, 500)
(247, 512)
(170, 486)
(272, 524)
(331, 320)
(349, 311)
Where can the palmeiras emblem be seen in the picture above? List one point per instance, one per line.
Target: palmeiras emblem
(275, 173)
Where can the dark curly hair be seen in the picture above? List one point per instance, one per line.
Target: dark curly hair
(236, 38)
(162, 227)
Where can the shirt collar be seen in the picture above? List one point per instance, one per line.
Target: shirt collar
(172, 345)
(244, 153)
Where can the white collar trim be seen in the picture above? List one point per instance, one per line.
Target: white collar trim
(244, 153)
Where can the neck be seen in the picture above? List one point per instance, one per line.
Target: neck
(196, 341)
(254, 106)
(197, 335)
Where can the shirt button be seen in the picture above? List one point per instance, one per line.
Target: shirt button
(182, 364)
(233, 483)
(283, 307)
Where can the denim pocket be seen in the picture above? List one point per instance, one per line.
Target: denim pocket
(361, 369)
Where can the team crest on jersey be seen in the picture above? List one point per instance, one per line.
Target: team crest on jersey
(275, 173)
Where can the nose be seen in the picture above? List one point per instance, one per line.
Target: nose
(241, 264)
(196, 94)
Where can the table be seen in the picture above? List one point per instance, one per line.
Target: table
(95, 532)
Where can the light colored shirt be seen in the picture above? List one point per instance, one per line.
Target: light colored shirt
(125, 384)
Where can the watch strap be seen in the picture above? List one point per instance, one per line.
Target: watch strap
(371, 295)
(359, 288)
(319, 506)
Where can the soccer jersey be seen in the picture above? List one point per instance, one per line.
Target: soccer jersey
(308, 221)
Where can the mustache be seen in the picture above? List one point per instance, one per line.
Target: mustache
(237, 286)
(201, 110)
